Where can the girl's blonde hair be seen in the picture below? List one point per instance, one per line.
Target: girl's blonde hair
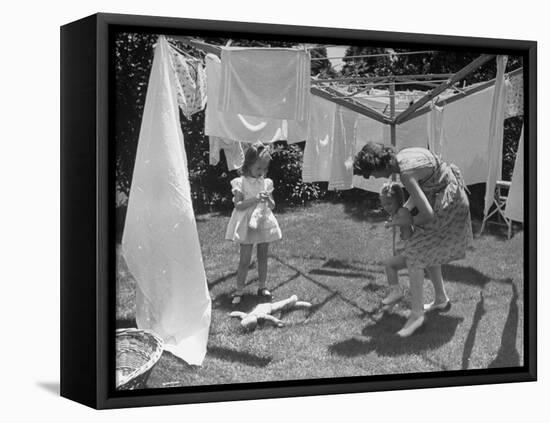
(257, 151)
(395, 191)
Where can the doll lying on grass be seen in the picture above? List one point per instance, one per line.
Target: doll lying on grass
(263, 311)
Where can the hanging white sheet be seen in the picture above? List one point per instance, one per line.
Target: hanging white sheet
(514, 203)
(265, 82)
(240, 127)
(160, 241)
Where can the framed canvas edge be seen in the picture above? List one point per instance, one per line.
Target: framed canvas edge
(105, 230)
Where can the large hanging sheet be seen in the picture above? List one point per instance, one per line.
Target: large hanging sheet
(160, 241)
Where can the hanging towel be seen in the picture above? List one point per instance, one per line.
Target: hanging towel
(160, 241)
(434, 120)
(265, 82)
(190, 83)
(234, 154)
(241, 127)
(341, 170)
(514, 203)
(320, 135)
(496, 134)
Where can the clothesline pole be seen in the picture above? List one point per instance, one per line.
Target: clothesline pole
(461, 74)
(393, 143)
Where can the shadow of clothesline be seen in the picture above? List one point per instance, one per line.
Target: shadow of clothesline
(470, 338)
(468, 275)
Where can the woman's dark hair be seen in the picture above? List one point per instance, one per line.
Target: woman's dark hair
(257, 151)
(373, 157)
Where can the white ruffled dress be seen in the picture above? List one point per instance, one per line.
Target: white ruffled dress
(238, 229)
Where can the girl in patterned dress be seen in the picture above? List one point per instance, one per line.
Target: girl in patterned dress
(442, 227)
(252, 221)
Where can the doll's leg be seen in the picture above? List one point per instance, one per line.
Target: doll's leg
(262, 264)
(244, 262)
(279, 305)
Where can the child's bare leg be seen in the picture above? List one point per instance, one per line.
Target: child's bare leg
(416, 317)
(393, 265)
(262, 264)
(244, 262)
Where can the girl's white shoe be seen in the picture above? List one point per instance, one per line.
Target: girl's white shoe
(396, 294)
(412, 328)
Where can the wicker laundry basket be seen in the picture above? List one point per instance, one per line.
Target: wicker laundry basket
(137, 351)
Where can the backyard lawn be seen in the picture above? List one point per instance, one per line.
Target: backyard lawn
(331, 256)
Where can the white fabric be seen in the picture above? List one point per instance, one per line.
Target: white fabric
(265, 82)
(435, 128)
(514, 203)
(341, 170)
(320, 136)
(160, 241)
(496, 133)
(234, 153)
(465, 135)
(370, 130)
(240, 127)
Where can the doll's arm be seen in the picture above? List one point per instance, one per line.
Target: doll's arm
(303, 304)
(238, 314)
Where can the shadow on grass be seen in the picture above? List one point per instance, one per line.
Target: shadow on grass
(381, 337)
(341, 264)
(234, 356)
(471, 337)
(126, 323)
(508, 355)
(224, 278)
(468, 275)
(326, 272)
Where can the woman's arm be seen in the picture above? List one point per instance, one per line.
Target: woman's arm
(419, 200)
(242, 204)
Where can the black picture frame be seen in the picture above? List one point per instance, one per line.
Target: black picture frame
(87, 215)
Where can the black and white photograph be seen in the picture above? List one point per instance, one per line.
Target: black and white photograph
(297, 210)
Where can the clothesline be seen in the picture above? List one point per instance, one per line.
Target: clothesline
(366, 84)
(374, 55)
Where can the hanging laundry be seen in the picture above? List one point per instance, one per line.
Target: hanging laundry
(514, 202)
(434, 120)
(265, 82)
(160, 242)
(316, 166)
(370, 130)
(341, 170)
(241, 127)
(496, 133)
(233, 150)
(465, 133)
(514, 97)
(190, 83)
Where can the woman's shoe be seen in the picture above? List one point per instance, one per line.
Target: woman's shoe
(412, 328)
(443, 306)
(264, 293)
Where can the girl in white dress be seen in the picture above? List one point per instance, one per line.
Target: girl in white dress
(252, 221)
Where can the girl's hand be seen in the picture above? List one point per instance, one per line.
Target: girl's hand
(388, 224)
(264, 196)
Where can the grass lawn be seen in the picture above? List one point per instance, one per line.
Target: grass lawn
(331, 256)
